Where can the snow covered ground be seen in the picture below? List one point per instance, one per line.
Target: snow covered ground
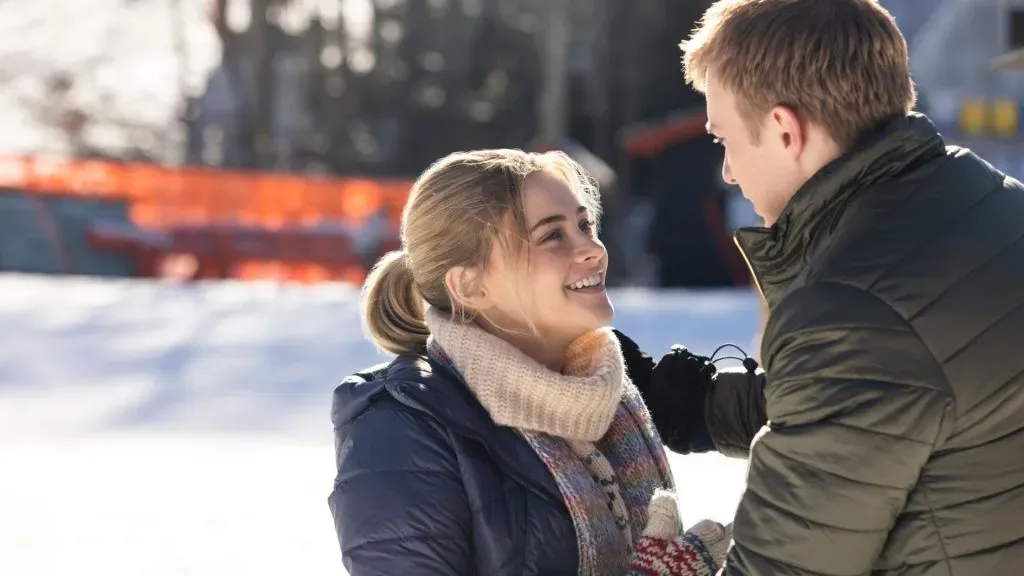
(153, 429)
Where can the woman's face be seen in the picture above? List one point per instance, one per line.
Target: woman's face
(557, 283)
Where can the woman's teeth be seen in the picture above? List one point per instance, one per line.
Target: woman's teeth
(592, 281)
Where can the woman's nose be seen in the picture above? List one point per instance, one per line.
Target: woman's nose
(590, 249)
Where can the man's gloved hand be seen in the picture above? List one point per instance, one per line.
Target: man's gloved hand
(674, 390)
(639, 364)
(664, 550)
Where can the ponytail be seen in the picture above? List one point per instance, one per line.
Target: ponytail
(393, 309)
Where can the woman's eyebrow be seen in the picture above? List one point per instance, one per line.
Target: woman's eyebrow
(554, 218)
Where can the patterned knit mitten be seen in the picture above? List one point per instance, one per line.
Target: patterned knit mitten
(663, 551)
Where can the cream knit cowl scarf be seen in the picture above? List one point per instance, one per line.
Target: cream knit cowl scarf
(588, 425)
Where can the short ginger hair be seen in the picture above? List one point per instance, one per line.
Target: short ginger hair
(842, 64)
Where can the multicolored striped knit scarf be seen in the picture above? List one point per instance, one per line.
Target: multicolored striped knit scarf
(629, 444)
(634, 451)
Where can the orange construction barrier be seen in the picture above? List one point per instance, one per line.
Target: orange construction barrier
(209, 215)
(161, 195)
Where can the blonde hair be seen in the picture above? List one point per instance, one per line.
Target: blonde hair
(842, 64)
(454, 217)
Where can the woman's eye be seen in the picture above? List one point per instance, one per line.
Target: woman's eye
(587, 226)
(555, 234)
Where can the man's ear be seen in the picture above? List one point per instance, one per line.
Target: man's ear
(466, 287)
(786, 125)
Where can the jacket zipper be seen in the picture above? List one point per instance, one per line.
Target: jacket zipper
(753, 274)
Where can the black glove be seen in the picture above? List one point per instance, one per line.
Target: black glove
(675, 391)
(639, 364)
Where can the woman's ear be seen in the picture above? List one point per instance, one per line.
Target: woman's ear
(466, 287)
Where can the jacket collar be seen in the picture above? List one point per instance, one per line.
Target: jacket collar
(430, 387)
(778, 254)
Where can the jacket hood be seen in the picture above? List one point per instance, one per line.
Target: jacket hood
(428, 387)
(413, 380)
(355, 394)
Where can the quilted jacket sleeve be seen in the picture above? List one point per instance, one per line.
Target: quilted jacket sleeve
(399, 504)
(734, 410)
(856, 405)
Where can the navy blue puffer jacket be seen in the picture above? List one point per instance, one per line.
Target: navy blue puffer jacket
(428, 484)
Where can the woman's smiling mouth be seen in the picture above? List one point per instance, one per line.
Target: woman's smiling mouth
(588, 284)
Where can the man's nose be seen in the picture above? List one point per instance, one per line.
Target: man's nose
(727, 172)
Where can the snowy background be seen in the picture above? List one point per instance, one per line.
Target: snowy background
(155, 429)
